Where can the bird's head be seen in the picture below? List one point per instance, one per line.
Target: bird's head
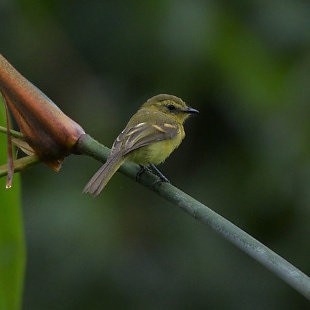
(170, 105)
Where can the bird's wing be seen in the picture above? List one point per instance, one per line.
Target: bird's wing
(142, 134)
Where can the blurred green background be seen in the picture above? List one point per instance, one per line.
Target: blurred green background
(245, 65)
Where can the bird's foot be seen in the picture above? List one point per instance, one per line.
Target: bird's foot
(157, 172)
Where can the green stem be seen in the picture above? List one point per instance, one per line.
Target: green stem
(14, 133)
(20, 164)
(275, 263)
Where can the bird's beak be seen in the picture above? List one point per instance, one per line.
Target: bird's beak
(191, 110)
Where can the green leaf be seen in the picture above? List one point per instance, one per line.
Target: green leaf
(12, 246)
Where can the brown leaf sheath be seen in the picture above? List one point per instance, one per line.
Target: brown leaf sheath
(50, 132)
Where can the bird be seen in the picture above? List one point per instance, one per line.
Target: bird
(148, 139)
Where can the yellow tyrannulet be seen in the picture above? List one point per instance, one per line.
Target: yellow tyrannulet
(149, 138)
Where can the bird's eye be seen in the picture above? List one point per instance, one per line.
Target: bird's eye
(171, 107)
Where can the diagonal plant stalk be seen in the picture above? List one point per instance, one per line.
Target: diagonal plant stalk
(272, 261)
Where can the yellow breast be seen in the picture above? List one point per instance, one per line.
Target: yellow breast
(157, 152)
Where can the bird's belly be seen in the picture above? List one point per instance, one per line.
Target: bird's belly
(154, 153)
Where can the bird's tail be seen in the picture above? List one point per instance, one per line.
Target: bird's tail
(103, 176)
